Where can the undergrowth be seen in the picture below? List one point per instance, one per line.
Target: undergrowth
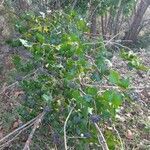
(67, 70)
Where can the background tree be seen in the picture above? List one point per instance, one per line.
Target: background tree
(134, 29)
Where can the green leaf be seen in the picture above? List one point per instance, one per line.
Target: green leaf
(82, 25)
(112, 97)
(117, 99)
(40, 38)
(96, 77)
(114, 77)
(76, 94)
(108, 95)
(14, 43)
(25, 43)
(47, 98)
(90, 110)
(92, 91)
(88, 98)
(124, 83)
(17, 61)
(79, 99)
(111, 139)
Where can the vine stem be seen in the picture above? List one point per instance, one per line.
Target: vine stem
(65, 125)
(121, 143)
(101, 138)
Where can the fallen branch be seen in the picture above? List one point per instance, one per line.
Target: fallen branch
(14, 137)
(36, 124)
(110, 42)
(101, 138)
(107, 42)
(16, 82)
(65, 125)
(120, 45)
(19, 129)
(8, 142)
(116, 87)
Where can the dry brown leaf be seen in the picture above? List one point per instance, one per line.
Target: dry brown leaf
(18, 93)
(15, 124)
(129, 135)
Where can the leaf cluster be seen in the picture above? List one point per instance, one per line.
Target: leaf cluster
(69, 69)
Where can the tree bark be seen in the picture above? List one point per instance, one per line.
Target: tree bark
(110, 23)
(133, 32)
(23, 5)
(93, 20)
(103, 28)
(117, 17)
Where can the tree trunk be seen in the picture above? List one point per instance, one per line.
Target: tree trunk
(93, 20)
(110, 24)
(133, 32)
(23, 5)
(103, 28)
(117, 17)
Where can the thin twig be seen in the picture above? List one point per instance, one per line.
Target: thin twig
(74, 4)
(115, 87)
(9, 86)
(76, 137)
(121, 143)
(56, 147)
(65, 125)
(16, 82)
(2, 3)
(36, 124)
(18, 129)
(8, 142)
(115, 43)
(112, 38)
(101, 138)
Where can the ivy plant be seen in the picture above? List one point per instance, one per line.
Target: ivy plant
(66, 71)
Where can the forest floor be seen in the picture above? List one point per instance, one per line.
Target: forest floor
(133, 123)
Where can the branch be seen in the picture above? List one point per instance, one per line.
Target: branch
(16, 82)
(101, 138)
(107, 42)
(74, 4)
(121, 143)
(2, 3)
(144, 24)
(118, 44)
(18, 129)
(14, 137)
(116, 87)
(36, 124)
(65, 125)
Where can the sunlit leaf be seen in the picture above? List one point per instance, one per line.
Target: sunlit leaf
(25, 43)
(114, 77)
